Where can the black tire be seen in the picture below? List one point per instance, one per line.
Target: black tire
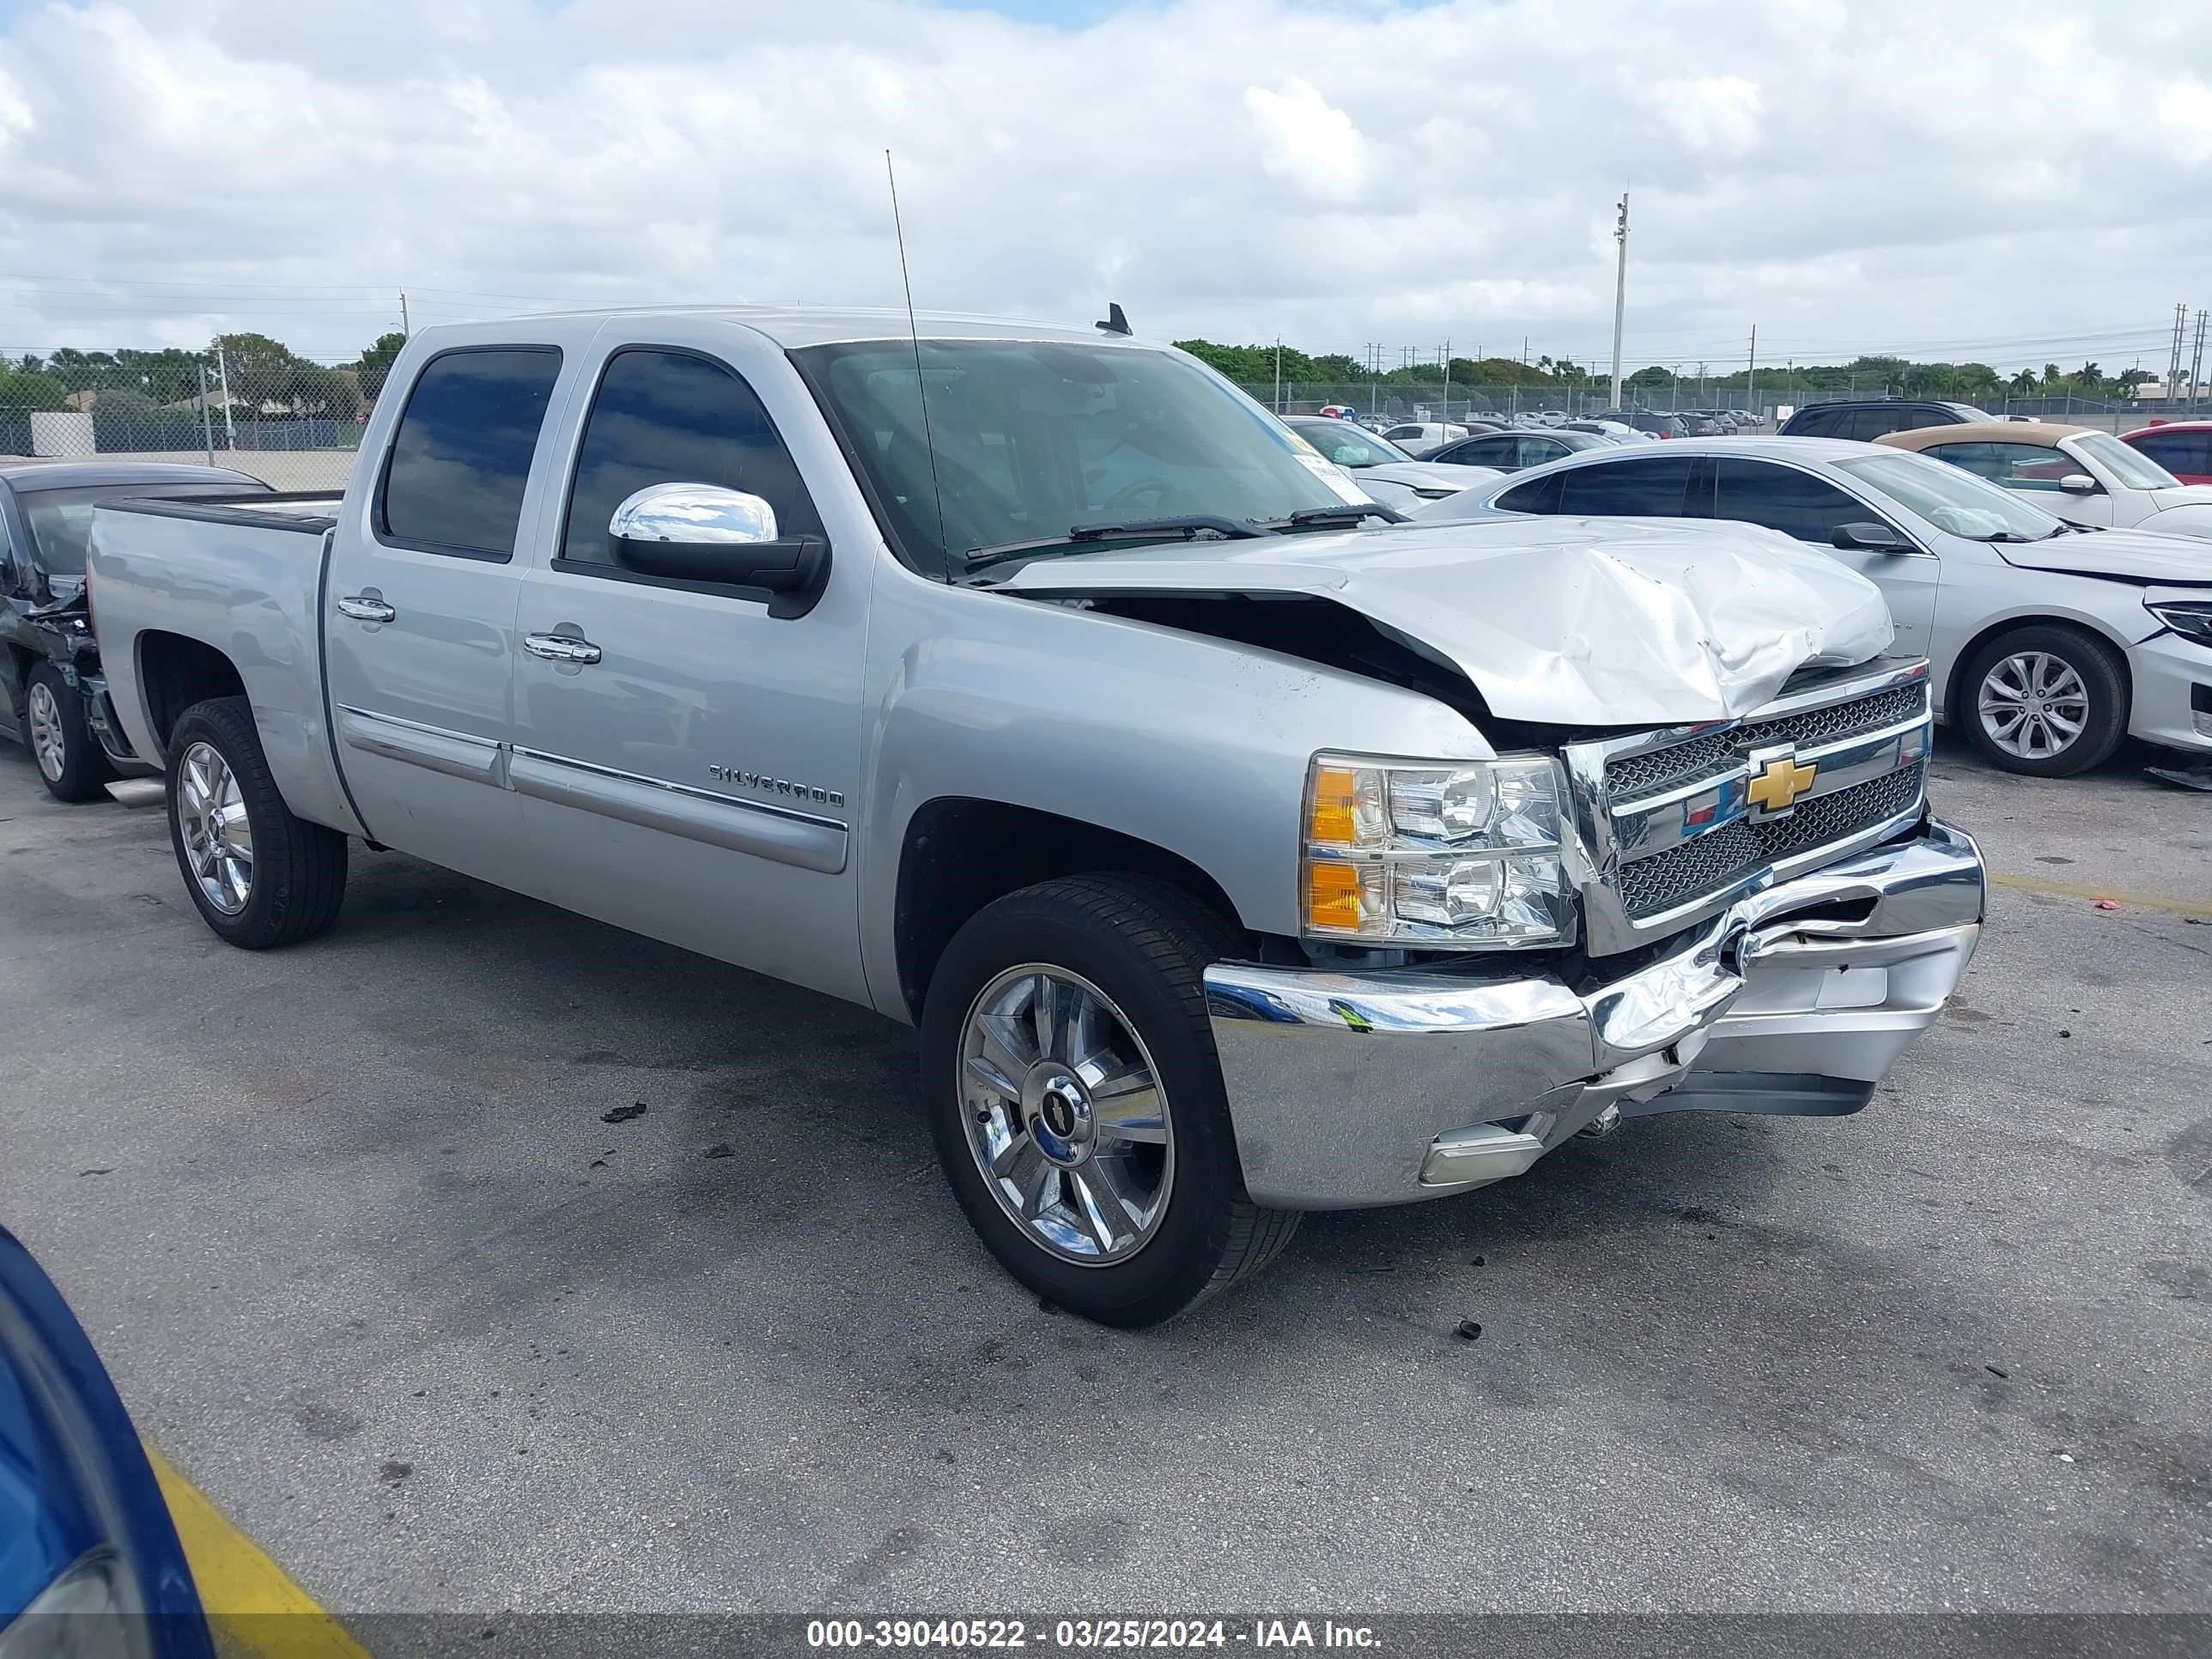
(299, 868)
(2103, 678)
(1146, 946)
(84, 771)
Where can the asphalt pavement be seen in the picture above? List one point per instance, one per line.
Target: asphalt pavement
(369, 1266)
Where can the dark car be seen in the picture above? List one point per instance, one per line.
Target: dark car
(1666, 426)
(1867, 419)
(1509, 452)
(56, 700)
(89, 1560)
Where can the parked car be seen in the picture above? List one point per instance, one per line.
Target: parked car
(2075, 473)
(2182, 447)
(89, 1560)
(1509, 452)
(53, 699)
(1868, 418)
(1381, 468)
(1660, 426)
(1618, 431)
(2049, 643)
(1418, 438)
(685, 621)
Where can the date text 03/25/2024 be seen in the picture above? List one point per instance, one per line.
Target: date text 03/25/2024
(1085, 1634)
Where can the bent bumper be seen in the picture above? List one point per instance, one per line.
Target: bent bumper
(1350, 1090)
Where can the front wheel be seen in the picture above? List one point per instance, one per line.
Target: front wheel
(2047, 699)
(1076, 1101)
(259, 875)
(70, 761)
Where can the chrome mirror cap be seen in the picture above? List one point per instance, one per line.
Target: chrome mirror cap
(696, 514)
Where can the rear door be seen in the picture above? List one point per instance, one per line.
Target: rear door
(419, 610)
(1809, 508)
(686, 763)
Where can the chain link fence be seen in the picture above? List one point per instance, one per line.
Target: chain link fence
(295, 425)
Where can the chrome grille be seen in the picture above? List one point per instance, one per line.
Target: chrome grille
(1675, 829)
(1716, 752)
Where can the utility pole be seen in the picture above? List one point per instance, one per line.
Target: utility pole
(1446, 416)
(405, 332)
(1751, 390)
(1279, 374)
(222, 374)
(1701, 383)
(2196, 362)
(207, 418)
(2173, 367)
(1619, 292)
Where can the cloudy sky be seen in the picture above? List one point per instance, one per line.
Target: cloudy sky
(2011, 182)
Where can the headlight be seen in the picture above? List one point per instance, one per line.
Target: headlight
(2191, 618)
(1461, 855)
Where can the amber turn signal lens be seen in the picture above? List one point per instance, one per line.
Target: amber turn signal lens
(1334, 822)
(1333, 896)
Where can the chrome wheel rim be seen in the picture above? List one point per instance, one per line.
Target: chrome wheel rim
(218, 835)
(48, 747)
(2033, 705)
(1065, 1115)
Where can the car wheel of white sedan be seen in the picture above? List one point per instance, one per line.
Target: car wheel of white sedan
(2046, 699)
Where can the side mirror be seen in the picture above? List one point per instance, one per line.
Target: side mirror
(2078, 484)
(1869, 538)
(706, 533)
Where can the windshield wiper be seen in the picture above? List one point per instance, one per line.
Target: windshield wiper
(1187, 527)
(1348, 512)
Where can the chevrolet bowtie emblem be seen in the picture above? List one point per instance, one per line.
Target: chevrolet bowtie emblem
(1777, 784)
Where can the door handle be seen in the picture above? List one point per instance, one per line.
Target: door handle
(560, 647)
(362, 608)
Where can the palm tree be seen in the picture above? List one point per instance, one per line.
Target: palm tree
(2022, 383)
(2090, 379)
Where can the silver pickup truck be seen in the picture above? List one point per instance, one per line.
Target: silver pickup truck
(1238, 851)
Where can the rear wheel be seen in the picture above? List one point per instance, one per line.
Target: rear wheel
(70, 760)
(259, 875)
(1076, 1100)
(2047, 699)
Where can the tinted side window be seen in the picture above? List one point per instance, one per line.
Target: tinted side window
(461, 457)
(1868, 424)
(1817, 423)
(1540, 495)
(670, 417)
(2182, 453)
(1651, 488)
(1485, 452)
(1781, 498)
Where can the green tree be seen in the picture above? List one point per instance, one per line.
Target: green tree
(255, 368)
(311, 389)
(376, 364)
(31, 388)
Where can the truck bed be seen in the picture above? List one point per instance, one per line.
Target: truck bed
(225, 573)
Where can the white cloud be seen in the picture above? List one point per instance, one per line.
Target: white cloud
(1308, 143)
(1849, 174)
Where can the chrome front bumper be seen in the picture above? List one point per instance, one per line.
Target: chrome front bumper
(1349, 1090)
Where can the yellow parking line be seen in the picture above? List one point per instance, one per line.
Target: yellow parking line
(251, 1600)
(2184, 906)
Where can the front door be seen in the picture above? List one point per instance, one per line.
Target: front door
(420, 611)
(687, 764)
(1809, 509)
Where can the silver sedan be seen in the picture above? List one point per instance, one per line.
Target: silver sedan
(2050, 642)
(1386, 473)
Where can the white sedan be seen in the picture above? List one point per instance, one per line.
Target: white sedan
(1383, 470)
(2081, 475)
(2050, 643)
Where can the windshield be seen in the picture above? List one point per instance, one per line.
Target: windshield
(1348, 445)
(1033, 438)
(2128, 464)
(1952, 499)
(61, 520)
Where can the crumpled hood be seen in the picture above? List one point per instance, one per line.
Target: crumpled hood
(2140, 556)
(1562, 621)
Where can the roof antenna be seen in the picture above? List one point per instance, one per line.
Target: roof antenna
(1116, 323)
(920, 386)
